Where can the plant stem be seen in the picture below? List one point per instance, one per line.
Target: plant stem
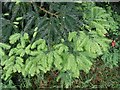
(52, 14)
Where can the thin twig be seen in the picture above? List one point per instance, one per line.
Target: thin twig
(53, 14)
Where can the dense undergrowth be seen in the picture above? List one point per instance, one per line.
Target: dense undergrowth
(60, 45)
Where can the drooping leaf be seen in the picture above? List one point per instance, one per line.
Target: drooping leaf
(13, 38)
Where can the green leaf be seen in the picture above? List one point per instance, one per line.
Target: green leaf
(32, 70)
(42, 68)
(81, 41)
(26, 36)
(19, 18)
(27, 49)
(4, 60)
(43, 61)
(57, 61)
(8, 73)
(28, 64)
(5, 46)
(13, 38)
(19, 46)
(34, 34)
(12, 51)
(8, 65)
(98, 49)
(42, 46)
(22, 42)
(19, 60)
(19, 51)
(99, 27)
(72, 65)
(6, 14)
(18, 67)
(2, 53)
(22, 54)
(16, 23)
(71, 36)
(10, 60)
(83, 62)
(36, 29)
(50, 60)
(37, 42)
(61, 48)
(34, 53)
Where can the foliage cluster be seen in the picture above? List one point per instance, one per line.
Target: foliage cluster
(65, 39)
